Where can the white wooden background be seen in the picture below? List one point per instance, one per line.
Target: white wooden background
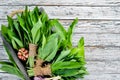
(99, 23)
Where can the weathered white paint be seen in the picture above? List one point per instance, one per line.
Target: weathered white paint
(6, 76)
(103, 67)
(62, 2)
(98, 39)
(103, 77)
(70, 12)
(99, 23)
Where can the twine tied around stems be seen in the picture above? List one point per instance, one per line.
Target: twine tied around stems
(40, 70)
(32, 49)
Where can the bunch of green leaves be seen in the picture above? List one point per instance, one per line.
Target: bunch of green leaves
(28, 27)
(65, 35)
(10, 66)
(66, 61)
(34, 24)
(70, 64)
(49, 47)
(10, 34)
(60, 38)
(54, 42)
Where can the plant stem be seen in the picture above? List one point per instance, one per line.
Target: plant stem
(32, 54)
(30, 72)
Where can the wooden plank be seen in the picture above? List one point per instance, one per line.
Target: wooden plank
(103, 77)
(3, 54)
(91, 53)
(102, 54)
(3, 22)
(62, 2)
(89, 26)
(98, 39)
(70, 12)
(94, 26)
(103, 67)
(6, 76)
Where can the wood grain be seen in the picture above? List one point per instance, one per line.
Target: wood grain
(103, 67)
(103, 77)
(6, 76)
(99, 23)
(70, 12)
(91, 26)
(61, 2)
(98, 39)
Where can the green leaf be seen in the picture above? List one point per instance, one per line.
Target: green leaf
(38, 35)
(49, 47)
(67, 72)
(36, 13)
(10, 34)
(62, 55)
(31, 61)
(59, 29)
(9, 54)
(44, 17)
(14, 44)
(81, 42)
(33, 17)
(22, 24)
(40, 49)
(35, 29)
(81, 74)
(20, 44)
(10, 22)
(81, 47)
(12, 70)
(81, 52)
(6, 63)
(65, 65)
(70, 31)
(16, 26)
(77, 52)
(30, 21)
(4, 31)
(43, 41)
(53, 53)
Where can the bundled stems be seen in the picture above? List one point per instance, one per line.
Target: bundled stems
(32, 54)
(39, 69)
